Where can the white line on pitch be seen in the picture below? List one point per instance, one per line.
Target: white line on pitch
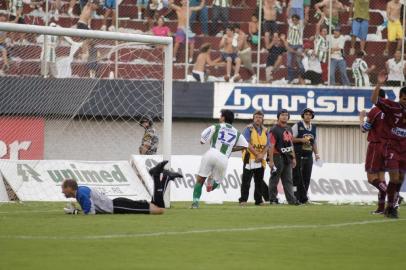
(219, 230)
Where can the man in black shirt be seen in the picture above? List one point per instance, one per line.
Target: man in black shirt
(281, 155)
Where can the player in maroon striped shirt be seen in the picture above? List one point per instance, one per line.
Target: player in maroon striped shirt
(395, 149)
(374, 161)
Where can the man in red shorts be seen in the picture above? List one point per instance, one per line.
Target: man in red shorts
(374, 162)
(395, 134)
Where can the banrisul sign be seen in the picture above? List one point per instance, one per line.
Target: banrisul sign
(330, 104)
(41, 180)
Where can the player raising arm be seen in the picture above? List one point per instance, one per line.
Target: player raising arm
(375, 156)
(94, 202)
(224, 139)
(394, 132)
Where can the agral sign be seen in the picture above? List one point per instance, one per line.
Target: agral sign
(334, 182)
(330, 104)
(21, 138)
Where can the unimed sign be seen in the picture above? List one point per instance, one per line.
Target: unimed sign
(22, 138)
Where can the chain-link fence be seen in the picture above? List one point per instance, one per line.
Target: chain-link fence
(331, 42)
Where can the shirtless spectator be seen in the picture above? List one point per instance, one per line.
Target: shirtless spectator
(270, 26)
(253, 30)
(229, 47)
(276, 50)
(244, 51)
(199, 71)
(84, 23)
(395, 29)
(180, 36)
(323, 11)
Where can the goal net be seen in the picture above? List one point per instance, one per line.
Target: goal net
(77, 95)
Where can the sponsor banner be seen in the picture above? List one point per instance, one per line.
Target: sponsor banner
(41, 180)
(22, 138)
(331, 104)
(3, 191)
(341, 183)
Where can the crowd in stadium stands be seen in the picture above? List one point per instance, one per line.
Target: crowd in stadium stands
(305, 56)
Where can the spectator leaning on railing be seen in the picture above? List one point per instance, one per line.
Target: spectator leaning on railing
(199, 71)
(17, 16)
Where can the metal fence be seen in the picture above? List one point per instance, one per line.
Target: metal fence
(331, 42)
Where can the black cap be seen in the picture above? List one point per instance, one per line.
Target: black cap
(307, 110)
(283, 111)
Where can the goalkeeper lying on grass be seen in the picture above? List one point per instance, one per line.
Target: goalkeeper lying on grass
(94, 202)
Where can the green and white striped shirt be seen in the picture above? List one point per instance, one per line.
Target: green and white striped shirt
(223, 137)
(321, 48)
(295, 33)
(359, 72)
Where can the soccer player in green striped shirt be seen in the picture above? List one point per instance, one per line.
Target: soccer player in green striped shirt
(360, 71)
(224, 139)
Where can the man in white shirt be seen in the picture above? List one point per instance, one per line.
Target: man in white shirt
(337, 59)
(396, 69)
(312, 67)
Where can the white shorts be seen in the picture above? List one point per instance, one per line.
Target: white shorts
(213, 164)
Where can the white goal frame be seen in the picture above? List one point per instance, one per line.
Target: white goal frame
(117, 36)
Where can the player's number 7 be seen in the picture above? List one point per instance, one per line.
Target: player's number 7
(223, 135)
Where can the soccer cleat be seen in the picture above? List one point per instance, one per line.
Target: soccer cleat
(172, 175)
(195, 205)
(212, 186)
(377, 212)
(158, 169)
(276, 201)
(391, 212)
(399, 202)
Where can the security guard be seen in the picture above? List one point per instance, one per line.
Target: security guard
(304, 133)
(254, 160)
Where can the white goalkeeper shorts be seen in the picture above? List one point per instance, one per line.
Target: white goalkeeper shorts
(213, 164)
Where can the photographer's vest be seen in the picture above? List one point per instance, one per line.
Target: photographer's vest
(283, 140)
(302, 132)
(258, 141)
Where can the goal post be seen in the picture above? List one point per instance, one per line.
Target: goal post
(134, 80)
(117, 36)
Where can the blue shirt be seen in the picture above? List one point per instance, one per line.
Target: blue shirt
(93, 202)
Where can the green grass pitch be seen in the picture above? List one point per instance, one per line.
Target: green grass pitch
(39, 236)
